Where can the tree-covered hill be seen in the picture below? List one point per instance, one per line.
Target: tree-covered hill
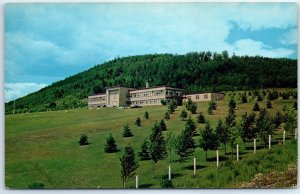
(196, 72)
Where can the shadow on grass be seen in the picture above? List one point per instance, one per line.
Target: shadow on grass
(145, 185)
(198, 167)
(258, 147)
(221, 159)
(173, 175)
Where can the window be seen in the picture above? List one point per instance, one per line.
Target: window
(205, 96)
(197, 97)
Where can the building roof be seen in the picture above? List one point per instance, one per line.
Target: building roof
(205, 93)
(97, 94)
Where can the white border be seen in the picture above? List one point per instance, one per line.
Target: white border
(208, 191)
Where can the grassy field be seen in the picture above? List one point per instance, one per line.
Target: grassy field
(43, 147)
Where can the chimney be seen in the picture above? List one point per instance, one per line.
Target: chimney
(147, 85)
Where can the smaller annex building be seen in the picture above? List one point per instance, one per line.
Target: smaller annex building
(127, 97)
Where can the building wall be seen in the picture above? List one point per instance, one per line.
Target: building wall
(97, 101)
(204, 97)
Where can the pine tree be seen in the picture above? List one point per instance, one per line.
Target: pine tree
(213, 105)
(222, 133)
(162, 125)
(264, 125)
(157, 146)
(171, 143)
(146, 115)
(201, 118)
(110, 145)
(244, 98)
(278, 119)
(208, 139)
(269, 103)
(295, 106)
(144, 153)
(248, 126)
(83, 140)
(128, 165)
(188, 104)
(127, 131)
(230, 119)
(172, 106)
(232, 104)
(234, 138)
(291, 122)
(256, 107)
(193, 108)
(167, 116)
(138, 122)
(190, 126)
(183, 114)
(210, 110)
(259, 97)
(185, 145)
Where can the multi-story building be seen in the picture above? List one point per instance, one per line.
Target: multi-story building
(204, 97)
(124, 97)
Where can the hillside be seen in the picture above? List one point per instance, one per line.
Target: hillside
(197, 72)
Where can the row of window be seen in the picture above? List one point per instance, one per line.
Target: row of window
(156, 93)
(150, 101)
(97, 99)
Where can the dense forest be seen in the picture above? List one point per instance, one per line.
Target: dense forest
(196, 72)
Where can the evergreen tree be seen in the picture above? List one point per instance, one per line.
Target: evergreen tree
(157, 146)
(213, 105)
(265, 125)
(256, 107)
(259, 97)
(146, 115)
(291, 122)
(127, 131)
(230, 119)
(201, 118)
(244, 98)
(128, 165)
(269, 104)
(162, 125)
(144, 153)
(167, 116)
(110, 145)
(208, 139)
(171, 143)
(235, 138)
(232, 104)
(190, 126)
(83, 140)
(193, 108)
(248, 126)
(184, 145)
(222, 133)
(188, 104)
(138, 122)
(210, 110)
(183, 114)
(172, 106)
(278, 119)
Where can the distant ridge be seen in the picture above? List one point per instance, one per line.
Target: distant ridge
(196, 72)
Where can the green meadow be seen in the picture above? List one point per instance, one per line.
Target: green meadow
(43, 148)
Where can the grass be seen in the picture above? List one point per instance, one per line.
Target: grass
(43, 148)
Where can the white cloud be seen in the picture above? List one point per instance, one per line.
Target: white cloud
(17, 90)
(291, 37)
(251, 47)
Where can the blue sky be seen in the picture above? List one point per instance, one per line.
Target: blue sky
(45, 43)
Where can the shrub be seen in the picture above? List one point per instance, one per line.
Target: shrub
(146, 115)
(256, 107)
(166, 183)
(144, 153)
(110, 145)
(36, 185)
(163, 102)
(127, 131)
(167, 116)
(183, 114)
(201, 118)
(138, 122)
(83, 140)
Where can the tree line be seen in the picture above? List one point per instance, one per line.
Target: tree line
(196, 72)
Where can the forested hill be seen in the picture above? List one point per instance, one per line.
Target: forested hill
(196, 72)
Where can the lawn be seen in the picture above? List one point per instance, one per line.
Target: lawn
(43, 148)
